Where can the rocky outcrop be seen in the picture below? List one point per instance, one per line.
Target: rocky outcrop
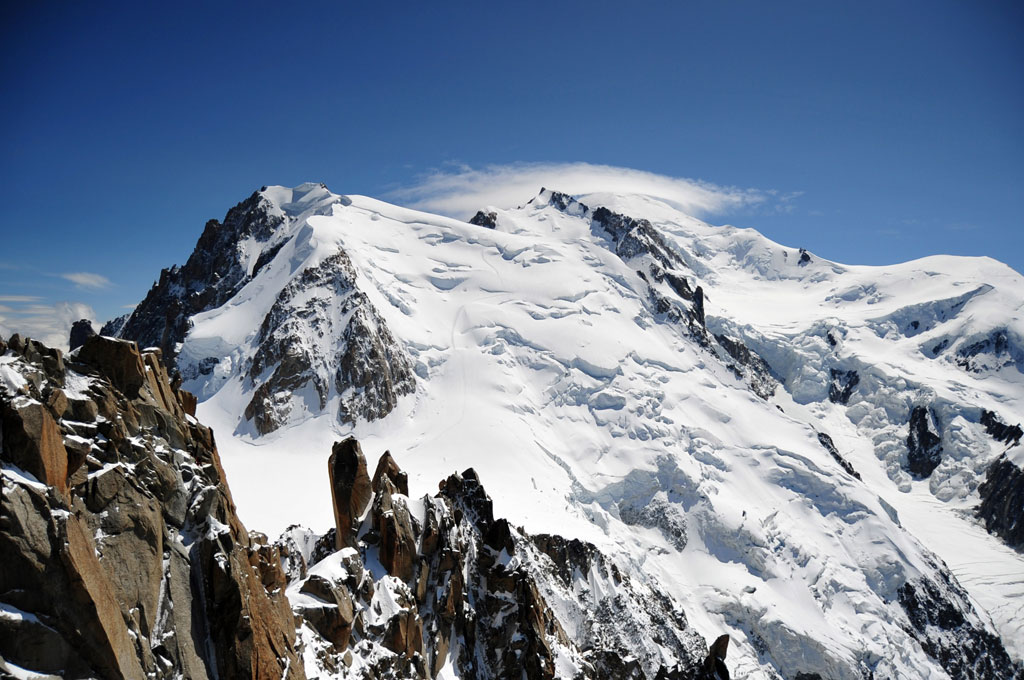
(999, 349)
(350, 489)
(485, 219)
(464, 589)
(830, 446)
(122, 553)
(841, 385)
(323, 336)
(943, 621)
(1002, 502)
(1000, 431)
(749, 366)
(924, 442)
(81, 331)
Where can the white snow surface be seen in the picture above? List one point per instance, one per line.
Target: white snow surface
(541, 365)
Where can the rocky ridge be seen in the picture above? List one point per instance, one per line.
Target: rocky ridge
(122, 553)
(669, 289)
(407, 587)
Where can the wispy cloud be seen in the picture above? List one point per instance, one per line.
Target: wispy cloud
(462, 191)
(88, 280)
(20, 298)
(49, 324)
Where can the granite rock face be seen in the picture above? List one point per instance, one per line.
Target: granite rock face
(122, 552)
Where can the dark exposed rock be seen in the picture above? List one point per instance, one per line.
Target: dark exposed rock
(113, 327)
(842, 384)
(830, 446)
(139, 568)
(210, 277)
(749, 365)
(81, 330)
(361, 360)
(714, 667)
(805, 258)
(1002, 501)
(478, 596)
(998, 350)
(485, 219)
(387, 467)
(391, 520)
(350, 489)
(117, 360)
(943, 621)
(1000, 431)
(373, 368)
(924, 442)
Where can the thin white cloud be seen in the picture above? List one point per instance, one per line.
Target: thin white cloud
(464, 190)
(87, 280)
(50, 324)
(20, 298)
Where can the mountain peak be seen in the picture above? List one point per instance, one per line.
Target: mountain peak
(306, 197)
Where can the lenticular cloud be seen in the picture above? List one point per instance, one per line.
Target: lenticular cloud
(463, 191)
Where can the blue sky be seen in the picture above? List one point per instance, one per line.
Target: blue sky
(872, 132)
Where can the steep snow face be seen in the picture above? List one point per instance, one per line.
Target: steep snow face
(748, 449)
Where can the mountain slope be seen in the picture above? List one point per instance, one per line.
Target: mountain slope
(788, 446)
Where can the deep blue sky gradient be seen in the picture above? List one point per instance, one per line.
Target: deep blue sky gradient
(124, 127)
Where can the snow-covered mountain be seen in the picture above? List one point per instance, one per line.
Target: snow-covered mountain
(793, 450)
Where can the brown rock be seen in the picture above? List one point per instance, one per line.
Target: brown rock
(188, 402)
(714, 665)
(253, 633)
(57, 403)
(131, 550)
(160, 384)
(33, 442)
(404, 634)
(118, 360)
(94, 603)
(335, 617)
(387, 466)
(350, 489)
(391, 521)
